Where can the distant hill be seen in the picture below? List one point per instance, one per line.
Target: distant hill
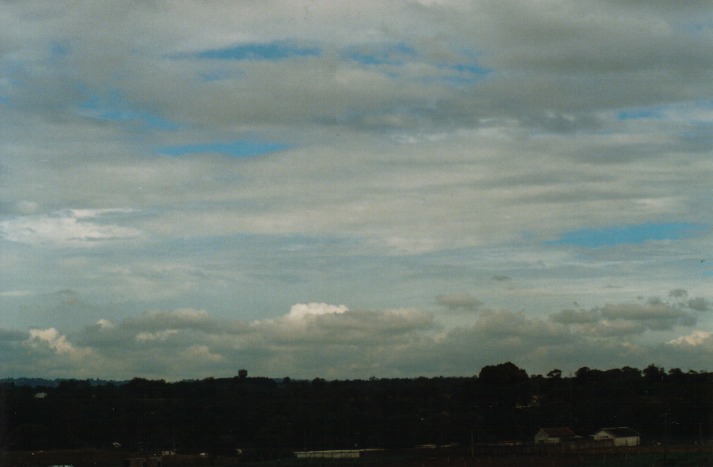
(53, 383)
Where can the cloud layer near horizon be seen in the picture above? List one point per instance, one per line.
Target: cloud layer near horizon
(543, 164)
(318, 339)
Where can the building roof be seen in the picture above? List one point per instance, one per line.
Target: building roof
(621, 432)
(559, 432)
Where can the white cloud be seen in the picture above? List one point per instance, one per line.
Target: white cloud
(105, 324)
(15, 293)
(302, 310)
(693, 339)
(52, 338)
(156, 336)
(200, 354)
(72, 227)
(58, 343)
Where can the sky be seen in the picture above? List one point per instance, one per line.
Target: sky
(335, 189)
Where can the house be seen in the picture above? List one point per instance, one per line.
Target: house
(619, 436)
(554, 435)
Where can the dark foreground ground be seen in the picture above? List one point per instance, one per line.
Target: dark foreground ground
(683, 455)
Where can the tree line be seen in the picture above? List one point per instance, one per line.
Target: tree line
(268, 416)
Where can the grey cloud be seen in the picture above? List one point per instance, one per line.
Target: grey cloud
(626, 319)
(575, 316)
(172, 319)
(490, 130)
(60, 309)
(654, 316)
(533, 343)
(337, 344)
(280, 345)
(9, 339)
(459, 302)
(678, 293)
(517, 326)
(612, 328)
(349, 328)
(526, 46)
(699, 304)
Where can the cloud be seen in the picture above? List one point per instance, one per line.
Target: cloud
(626, 319)
(152, 336)
(51, 338)
(693, 339)
(576, 316)
(301, 310)
(678, 293)
(699, 304)
(332, 334)
(200, 353)
(71, 227)
(320, 339)
(15, 293)
(653, 316)
(244, 157)
(459, 302)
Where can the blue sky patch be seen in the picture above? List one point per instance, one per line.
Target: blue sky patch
(391, 54)
(464, 74)
(633, 114)
(630, 234)
(472, 68)
(117, 109)
(260, 51)
(59, 50)
(239, 148)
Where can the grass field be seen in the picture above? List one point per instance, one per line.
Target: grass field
(649, 456)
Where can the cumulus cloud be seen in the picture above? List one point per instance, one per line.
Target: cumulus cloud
(51, 353)
(51, 338)
(320, 339)
(301, 310)
(693, 339)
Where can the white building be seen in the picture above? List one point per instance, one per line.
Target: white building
(620, 436)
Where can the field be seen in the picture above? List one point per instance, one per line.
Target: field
(650, 456)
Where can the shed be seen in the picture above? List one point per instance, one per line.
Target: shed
(620, 436)
(554, 435)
